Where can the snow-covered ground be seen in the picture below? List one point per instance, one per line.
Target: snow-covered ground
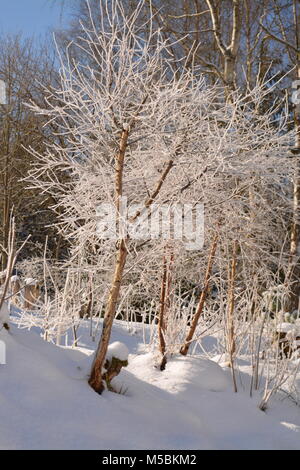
(46, 402)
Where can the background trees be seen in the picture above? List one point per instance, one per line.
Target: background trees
(158, 106)
(246, 26)
(23, 67)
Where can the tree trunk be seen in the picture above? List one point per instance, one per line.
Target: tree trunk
(230, 314)
(294, 271)
(164, 307)
(96, 377)
(229, 52)
(95, 380)
(161, 318)
(185, 348)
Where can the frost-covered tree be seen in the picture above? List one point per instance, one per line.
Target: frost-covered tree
(130, 121)
(137, 123)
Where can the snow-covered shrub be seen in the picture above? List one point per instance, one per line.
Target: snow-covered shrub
(116, 359)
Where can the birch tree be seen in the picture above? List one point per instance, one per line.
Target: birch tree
(138, 123)
(286, 22)
(130, 123)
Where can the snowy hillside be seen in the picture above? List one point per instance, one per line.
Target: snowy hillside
(46, 402)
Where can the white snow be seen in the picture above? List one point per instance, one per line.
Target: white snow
(46, 402)
(29, 281)
(194, 372)
(292, 330)
(118, 350)
(284, 327)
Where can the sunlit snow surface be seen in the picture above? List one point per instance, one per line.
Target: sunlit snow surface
(46, 402)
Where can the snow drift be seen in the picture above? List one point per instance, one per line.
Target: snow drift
(46, 403)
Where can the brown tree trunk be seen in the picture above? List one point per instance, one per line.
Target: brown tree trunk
(164, 306)
(185, 348)
(161, 319)
(231, 299)
(293, 301)
(294, 274)
(230, 313)
(95, 380)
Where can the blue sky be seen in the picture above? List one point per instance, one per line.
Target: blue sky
(33, 17)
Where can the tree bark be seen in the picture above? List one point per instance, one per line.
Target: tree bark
(230, 313)
(294, 270)
(96, 380)
(96, 377)
(185, 348)
(161, 318)
(229, 52)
